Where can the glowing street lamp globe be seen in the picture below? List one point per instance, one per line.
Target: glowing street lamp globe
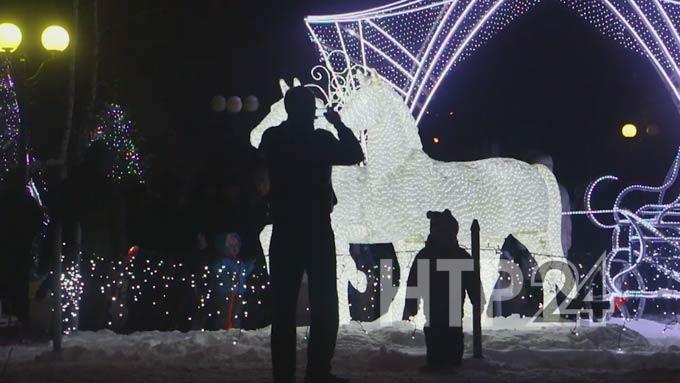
(55, 38)
(629, 131)
(10, 37)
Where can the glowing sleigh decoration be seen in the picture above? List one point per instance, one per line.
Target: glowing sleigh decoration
(643, 263)
(385, 199)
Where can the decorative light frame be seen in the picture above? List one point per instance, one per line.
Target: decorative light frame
(413, 44)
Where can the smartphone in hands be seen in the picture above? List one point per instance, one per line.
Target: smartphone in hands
(320, 112)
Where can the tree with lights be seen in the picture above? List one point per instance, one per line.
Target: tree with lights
(110, 165)
(116, 131)
(10, 121)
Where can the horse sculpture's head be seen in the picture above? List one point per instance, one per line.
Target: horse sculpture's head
(374, 112)
(378, 113)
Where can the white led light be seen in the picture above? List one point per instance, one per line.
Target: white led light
(386, 200)
(644, 240)
(445, 32)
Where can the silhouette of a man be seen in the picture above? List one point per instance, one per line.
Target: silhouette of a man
(299, 160)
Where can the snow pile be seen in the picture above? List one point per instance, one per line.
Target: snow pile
(366, 352)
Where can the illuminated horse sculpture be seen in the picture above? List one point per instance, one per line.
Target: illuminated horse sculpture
(645, 244)
(385, 200)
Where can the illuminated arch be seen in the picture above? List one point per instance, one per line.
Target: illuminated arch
(413, 44)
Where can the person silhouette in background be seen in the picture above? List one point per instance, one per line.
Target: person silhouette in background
(299, 160)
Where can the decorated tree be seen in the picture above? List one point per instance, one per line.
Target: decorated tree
(116, 131)
(10, 121)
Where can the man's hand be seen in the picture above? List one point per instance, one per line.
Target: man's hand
(333, 117)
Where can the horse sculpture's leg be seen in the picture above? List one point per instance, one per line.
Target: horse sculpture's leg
(488, 263)
(265, 240)
(347, 273)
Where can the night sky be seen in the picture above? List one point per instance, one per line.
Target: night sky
(549, 83)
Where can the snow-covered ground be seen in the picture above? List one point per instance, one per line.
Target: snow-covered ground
(513, 352)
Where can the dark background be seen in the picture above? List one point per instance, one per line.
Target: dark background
(550, 83)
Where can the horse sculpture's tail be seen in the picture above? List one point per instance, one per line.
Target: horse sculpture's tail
(554, 280)
(553, 246)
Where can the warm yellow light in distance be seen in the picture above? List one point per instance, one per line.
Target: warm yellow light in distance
(629, 131)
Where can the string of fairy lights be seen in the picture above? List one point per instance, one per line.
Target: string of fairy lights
(116, 130)
(414, 44)
(149, 283)
(10, 120)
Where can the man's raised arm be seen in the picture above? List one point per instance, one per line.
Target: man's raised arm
(347, 149)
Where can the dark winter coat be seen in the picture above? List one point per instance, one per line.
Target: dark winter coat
(438, 303)
(299, 163)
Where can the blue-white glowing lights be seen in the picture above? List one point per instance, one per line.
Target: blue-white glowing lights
(414, 44)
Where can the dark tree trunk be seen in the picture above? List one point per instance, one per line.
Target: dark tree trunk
(57, 330)
(88, 60)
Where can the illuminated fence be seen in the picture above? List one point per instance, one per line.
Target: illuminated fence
(414, 44)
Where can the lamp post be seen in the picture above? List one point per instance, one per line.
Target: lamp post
(54, 39)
